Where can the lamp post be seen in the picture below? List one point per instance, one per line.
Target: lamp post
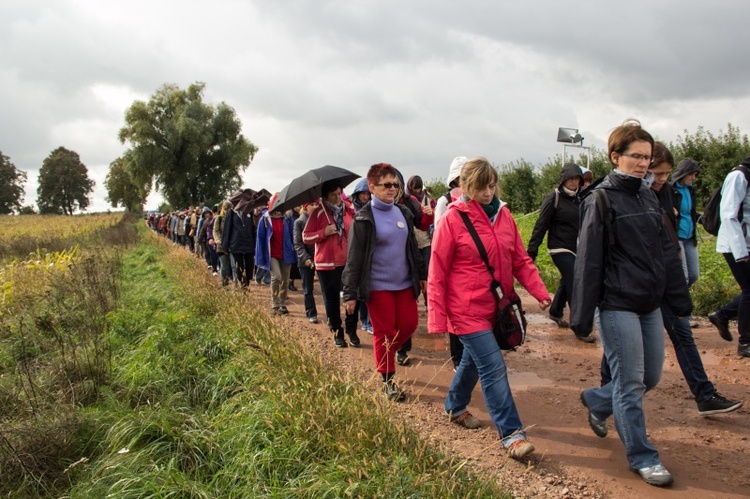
(569, 137)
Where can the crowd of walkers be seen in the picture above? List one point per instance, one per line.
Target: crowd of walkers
(625, 246)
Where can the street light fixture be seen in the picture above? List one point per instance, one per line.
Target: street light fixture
(570, 137)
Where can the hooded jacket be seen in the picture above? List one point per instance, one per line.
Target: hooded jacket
(263, 241)
(360, 187)
(454, 173)
(684, 168)
(559, 223)
(357, 273)
(734, 236)
(640, 269)
(330, 251)
(458, 287)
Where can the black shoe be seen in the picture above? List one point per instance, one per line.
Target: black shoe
(717, 404)
(559, 321)
(338, 339)
(743, 350)
(313, 320)
(353, 339)
(599, 427)
(402, 358)
(292, 287)
(393, 392)
(587, 339)
(283, 311)
(721, 324)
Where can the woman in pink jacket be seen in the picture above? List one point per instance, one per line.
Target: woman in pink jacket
(462, 302)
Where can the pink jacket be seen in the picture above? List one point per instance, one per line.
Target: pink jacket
(330, 251)
(458, 284)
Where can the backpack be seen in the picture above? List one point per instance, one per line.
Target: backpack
(711, 218)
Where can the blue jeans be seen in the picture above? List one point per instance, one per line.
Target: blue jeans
(634, 347)
(364, 315)
(689, 255)
(691, 365)
(226, 268)
(483, 361)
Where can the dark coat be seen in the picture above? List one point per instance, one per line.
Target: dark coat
(640, 269)
(238, 235)
(356, 278)
(561, 223)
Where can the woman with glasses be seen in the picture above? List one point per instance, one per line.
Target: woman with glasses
(627, 263)
(385, 270)
(461, 299)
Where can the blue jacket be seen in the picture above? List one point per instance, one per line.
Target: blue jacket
(263, 241)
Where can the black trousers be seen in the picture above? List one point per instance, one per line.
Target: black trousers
(330, 284)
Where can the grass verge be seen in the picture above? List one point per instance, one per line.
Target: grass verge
(210, 398)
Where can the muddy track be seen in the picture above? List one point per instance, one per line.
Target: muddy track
(707, 456)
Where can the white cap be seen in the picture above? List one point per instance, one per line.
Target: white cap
(455, 169)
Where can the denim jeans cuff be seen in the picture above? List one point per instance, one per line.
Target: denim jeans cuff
(519, 435)
(455, 413)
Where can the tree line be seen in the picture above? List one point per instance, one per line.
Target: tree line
(194, 153)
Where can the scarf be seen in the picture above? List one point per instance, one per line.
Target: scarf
(338, 215)
(492, 208)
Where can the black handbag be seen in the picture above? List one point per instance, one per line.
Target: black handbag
(510, 319)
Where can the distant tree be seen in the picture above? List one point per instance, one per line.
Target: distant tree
(164, 207)
(436, 187)
(716, 154)
(11, 186)
(64, 183)
(27, 210)
(192, 151)
(518, 186)
(122, 189)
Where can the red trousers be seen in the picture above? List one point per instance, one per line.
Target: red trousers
(394, 318)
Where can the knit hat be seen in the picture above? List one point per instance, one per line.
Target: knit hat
(454, 173)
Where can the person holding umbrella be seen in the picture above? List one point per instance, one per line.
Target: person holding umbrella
(328, 229)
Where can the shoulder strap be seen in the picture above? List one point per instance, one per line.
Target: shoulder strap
(605, 213)
(478, 242)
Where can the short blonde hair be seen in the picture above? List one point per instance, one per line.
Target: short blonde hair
(476, 175)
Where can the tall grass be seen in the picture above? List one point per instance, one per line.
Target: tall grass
(211, 398)
(54, 359)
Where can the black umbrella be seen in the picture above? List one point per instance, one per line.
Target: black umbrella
(244, 200)
(309, 187)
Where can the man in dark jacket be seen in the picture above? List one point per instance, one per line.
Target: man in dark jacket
(558, 218)
(238, 238)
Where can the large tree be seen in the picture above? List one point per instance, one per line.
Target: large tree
(122, 189)
(192, 151)
(11, 186)
(64, 183)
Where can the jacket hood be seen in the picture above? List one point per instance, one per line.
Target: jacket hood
(360, 187)
(684, 168)
(570, 170)
(746, 162)
(455, 169)
(627, 183)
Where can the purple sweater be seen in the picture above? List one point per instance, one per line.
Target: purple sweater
(390, 267)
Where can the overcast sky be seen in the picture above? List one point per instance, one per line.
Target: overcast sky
(352, 83)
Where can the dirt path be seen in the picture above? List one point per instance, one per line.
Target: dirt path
(707, 456)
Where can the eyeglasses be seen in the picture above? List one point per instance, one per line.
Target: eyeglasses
(389, 185)
(638, 157)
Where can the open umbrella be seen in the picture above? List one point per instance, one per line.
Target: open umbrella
(244, 200)
(309, 186)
